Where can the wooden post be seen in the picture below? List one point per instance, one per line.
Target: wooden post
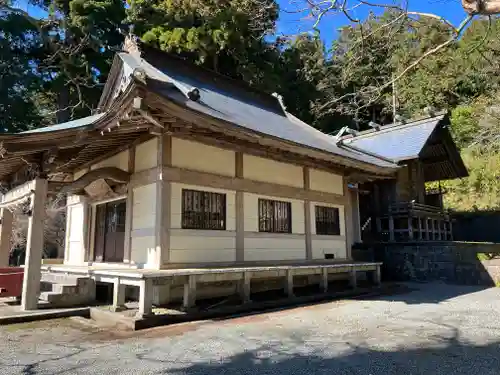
(34, 246)
(145, 298)
(189, 300)
(307, 215)
(324, 280)
(420, 229)
(427, 234)
(118, 295)
(410, 228)
(5, 237)
(378, 275)
(439, 225)
(289, 283)
(245, 287)
(127, 247)
(240, 211)
(433, 230)
(451, 231)
(391, 229)
(353, 278)
(163, 202)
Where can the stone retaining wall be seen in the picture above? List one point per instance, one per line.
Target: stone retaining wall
(451, 262)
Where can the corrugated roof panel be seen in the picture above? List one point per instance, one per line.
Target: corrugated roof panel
(401, 142)
(67, 125)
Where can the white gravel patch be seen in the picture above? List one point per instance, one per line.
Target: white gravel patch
(438, 329)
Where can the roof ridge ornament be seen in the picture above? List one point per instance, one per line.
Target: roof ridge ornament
(131, 45)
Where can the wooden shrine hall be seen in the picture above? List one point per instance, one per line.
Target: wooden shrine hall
(405, 209)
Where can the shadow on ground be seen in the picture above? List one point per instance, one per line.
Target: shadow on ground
(418, 293)
(446, 356)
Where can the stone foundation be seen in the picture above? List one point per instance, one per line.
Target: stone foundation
(451, 262)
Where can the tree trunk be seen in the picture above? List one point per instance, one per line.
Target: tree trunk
(481, 7)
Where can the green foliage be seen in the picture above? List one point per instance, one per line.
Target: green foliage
(224, 35)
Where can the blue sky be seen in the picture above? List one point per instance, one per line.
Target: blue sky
(293, 23)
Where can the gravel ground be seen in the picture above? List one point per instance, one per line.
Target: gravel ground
(436, 329)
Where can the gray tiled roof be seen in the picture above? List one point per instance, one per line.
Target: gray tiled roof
(397, 142)
(85, 121)
(228, 101)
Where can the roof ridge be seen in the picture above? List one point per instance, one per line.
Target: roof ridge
(392, 127)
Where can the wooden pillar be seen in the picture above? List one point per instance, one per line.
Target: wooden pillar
(378, 275)
(129, 209)
(34, 246)
(163, 202)
(420, 229)
(324, 280)
(118, 295)
(289, 283)
(189, 300)
(353, 278)
(145, 298)
(307, 215)
(410, 228)
(240, 211)
(427, 234)
(439, 225)
(451, 230)
(433, 229)
(245, 287)
(349, 233)
(391, 229)
(356, 219)
(5, 236)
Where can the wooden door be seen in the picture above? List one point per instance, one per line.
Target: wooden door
(110, 231)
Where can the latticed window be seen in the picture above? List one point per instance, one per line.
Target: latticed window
(327, 221)
(275, 216)
(203, 210)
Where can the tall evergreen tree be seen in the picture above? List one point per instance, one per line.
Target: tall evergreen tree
(227, 36)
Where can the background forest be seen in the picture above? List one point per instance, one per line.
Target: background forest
(53, 67)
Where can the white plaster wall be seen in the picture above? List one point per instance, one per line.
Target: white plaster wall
(144, 210)
(75, 238)
(119, 161)
(326, 182)
(143, 250)
(251, 209)
(146, 155)
(200, 157)
(205, 246)
(267, 170)
(273, 246)
(332, 245)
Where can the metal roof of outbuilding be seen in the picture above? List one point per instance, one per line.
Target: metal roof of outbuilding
(397, 142)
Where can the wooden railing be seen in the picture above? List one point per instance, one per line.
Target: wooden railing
(413, 207)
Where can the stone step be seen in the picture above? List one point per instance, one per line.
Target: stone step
(51, 297)
(65, 288)
(55, 278)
